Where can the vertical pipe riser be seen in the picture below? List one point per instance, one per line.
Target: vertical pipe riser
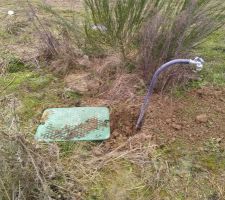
(197, 61)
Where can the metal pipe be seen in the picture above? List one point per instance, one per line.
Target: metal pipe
(199, 65)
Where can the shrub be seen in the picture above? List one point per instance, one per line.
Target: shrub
(174, 28)
(117, 22)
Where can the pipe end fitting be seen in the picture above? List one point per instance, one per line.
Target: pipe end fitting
(198, 62)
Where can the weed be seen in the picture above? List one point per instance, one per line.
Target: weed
(11, 82)
(16, 27)
(16, 65)
(72, 95)
(130, 66)
(37, 82)
(12, 64)
(67, 148)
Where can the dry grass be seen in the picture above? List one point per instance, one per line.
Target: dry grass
(123, 88)
(58, 54)
(51, 170)
(28, 170)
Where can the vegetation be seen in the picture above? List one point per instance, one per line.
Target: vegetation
(171, 33)
(159, 31)
(173, 157)
(121, 20)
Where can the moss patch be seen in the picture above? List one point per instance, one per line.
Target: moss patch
(11, 82)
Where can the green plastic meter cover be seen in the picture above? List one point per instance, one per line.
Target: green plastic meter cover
(74, 124)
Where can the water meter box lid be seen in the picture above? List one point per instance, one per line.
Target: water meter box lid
(74, 124)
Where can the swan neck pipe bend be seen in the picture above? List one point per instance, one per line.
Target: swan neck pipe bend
(199, 65)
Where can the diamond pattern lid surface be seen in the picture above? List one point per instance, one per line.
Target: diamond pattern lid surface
(74, 124)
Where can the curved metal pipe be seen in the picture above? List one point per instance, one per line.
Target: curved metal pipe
(197, 61)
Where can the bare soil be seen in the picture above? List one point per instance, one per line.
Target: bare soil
(170, 118)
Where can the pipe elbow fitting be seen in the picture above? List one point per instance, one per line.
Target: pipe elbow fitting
(198, 62)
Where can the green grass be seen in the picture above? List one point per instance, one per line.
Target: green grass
(119, 181)
(179, 170)
(212, 50)
(36, 92)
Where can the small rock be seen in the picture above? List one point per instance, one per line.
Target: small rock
(218, 93)
(173, 119)
(97, 152)
(176, 126)
(220, 110)
(115, 133)
(203, 118)
(168, 121)
(84, 61)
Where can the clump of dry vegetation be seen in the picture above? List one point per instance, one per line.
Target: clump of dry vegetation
(57, 47)
(58, 53)
(26, 168)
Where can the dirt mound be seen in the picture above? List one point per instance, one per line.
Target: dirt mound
(167, 119)
(82, 83)
(107, 67)
(124, 87)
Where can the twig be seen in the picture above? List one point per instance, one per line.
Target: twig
(36, 169)
(5, 189)
(48, 40)
(8, 84)
(106, 158)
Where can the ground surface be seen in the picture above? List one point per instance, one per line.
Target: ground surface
(178, 154)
